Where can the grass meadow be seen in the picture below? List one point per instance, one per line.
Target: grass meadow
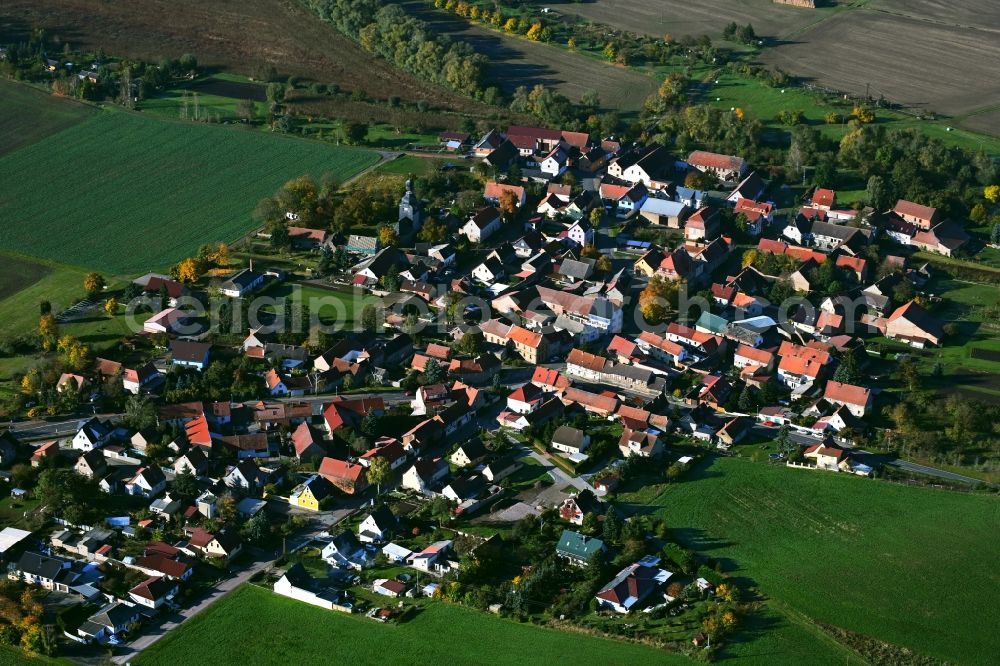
(230, 632)
(910, 566)
(336, 306)
(126, 194)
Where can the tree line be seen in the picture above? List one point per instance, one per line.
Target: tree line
(407, 42)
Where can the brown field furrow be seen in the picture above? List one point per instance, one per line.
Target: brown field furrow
(234, 35)
(916, 63)
(518, 62)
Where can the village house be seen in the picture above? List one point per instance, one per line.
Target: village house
(632, 586)
(148, 482)
(91, 464)
(311, 493)
(190, 354)
(923, 217)
(570, 440)
(857, 399)
(348, 477)
(482, 225)
(153, 592)
(92, 435)
(378, 526)
(578, 549)
(575, 509)
(242, 283)
(727, 168)
(424, 475)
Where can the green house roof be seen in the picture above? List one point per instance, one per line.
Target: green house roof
(579, 546)
(712, 323)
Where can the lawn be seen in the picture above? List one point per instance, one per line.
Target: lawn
(216, 97)
(229, 633)
(416, 165)
(28, 114)
(126, 194)
(727, 90)
(25, 283)
(888, 561)
(331, 306)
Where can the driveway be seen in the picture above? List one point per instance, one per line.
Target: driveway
(561, 478)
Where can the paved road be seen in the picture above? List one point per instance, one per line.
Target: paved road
(908, 466)
(560, 477)
(806, 439)
(151, 634)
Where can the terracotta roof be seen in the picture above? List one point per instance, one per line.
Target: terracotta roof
(919, 211)
(525, 337)
(550, 377)
(856, 264)
(757, 355)
(437, 351)
(153, 588)
(526, 393)
(596, 402)
(821, 450)
(715, 160)
(790, 349)
(847, 393)
(621, 346)
(753, 210)
(333, 468)
(800, 366)
(494, 189)
(823, 197)
(586, 360)
(162, 564)
(197, 431)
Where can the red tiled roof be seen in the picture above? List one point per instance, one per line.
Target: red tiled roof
(586, 360)
(847, 393)
(494, 189)
(823, 197)
(715, 160)
(919, 211)
(757, 355)
(550, 377)
(525, 337)
(332, 468)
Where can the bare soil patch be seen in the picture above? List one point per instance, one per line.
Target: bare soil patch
(17, 274)
(683, 17)
(518, 62)
(234, 89)
(234, 35)
(920, 63)
(986, 354)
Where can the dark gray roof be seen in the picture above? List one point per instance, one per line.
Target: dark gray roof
(40, 565)
(568, 435)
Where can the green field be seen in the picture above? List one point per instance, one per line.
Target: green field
(126, 194)
(28, 114)
(888, 561)
(254, 627)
